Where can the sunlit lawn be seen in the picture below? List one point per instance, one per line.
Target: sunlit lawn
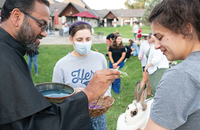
(125, 30)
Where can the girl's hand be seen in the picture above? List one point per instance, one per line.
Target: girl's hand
(140, 57)
(105, 95)
(115, 65)
(78, 90)
(100, 82)
(146, 69)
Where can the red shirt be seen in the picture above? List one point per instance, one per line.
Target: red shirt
(139, 34)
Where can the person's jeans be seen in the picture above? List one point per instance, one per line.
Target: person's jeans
(135, 35)
(98, 123)
(116, 83)
(135, 53)
(34, 60)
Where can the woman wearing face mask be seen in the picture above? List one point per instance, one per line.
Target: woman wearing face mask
(116, 54)
(77, 67)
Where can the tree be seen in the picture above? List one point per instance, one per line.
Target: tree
(128, 4)
(148, 10)
(137, 4)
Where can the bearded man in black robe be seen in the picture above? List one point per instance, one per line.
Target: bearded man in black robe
(22, 107)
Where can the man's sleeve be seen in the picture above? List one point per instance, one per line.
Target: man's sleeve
(71, 114)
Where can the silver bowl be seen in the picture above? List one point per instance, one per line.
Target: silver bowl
(55, 92)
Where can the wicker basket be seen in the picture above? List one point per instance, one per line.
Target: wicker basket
(103, 105)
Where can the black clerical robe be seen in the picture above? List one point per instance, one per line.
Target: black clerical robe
(23, 107)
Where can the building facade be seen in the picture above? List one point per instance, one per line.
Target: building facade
(106, 18)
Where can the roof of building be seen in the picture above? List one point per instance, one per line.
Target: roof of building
(101, 13)
(62, 6)
(89, 8)
(81, 9)
(85, 14)
(98, 13)
(110, 12)
(121, 12)
(129, 12)
(59, 6)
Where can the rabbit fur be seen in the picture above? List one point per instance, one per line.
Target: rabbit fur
(137, 113)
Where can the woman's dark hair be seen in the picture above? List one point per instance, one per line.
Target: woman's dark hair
(131, 41)
(114, 44)
(176, 15)
(23, 5)
(79, 25)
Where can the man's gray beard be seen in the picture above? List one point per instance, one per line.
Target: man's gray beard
(31, 47)
(26, 36)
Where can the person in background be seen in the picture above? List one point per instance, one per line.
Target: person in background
(176, 106)
(157, 64)
(134, 48)
(139, 36)
(49, 27)
(89, 22)
(135, 30)
(69, 23)
(128, 52)
(144, 47)
(32, 57)
(66, 30)
(116, 54)
(81, 61)
(109, 39)
(23, 107)
(92, 29)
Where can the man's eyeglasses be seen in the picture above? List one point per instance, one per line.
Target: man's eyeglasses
(42, 23)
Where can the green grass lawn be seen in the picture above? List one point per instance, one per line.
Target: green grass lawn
(50, 54)
(125, 30)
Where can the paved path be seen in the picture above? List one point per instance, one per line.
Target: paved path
(56, 39)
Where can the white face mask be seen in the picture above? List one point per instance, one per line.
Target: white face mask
(83, 48)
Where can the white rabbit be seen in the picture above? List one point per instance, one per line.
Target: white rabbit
(137, 113)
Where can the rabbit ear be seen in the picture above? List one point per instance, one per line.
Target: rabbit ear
(142, 96)
(136, 90)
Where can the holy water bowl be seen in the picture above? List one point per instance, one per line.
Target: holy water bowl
(55, 92)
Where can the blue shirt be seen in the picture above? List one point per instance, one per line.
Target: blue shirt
(136, 51)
